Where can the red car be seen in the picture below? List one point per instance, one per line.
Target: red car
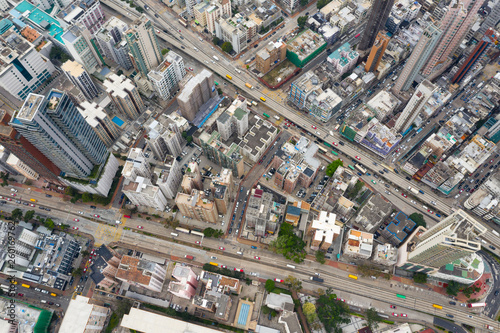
(179, 31)
(238, 270)
(13, 194)
(461, 191)
(279, 280)
(393, 306)
(95, 215)
(394, 314)
(491, 161)
(258, 258)
(335, 144)
(223, 266)
(260, 162)
(32, 205)
(222, 248)
(20, 294)
(77, 220)
(190, 69)
(404, 195)
(430, 211)
(404, 315)
(341, 299)
(472, 191)
(8, 199)
(358, 158)
(313, 127)
(197, 242)
(140, 227)
(85, 270)
(75, 228)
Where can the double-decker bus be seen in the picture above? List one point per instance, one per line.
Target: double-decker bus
(322, 150)
(184, 24)
(360, 168)
(183, 230)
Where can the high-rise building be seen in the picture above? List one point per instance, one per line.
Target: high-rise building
(100, 122)
(28, 154)
(377, 52)
(4, 5)
(376, 21)
(196, 206)
(112, 44)
(418, 58)
(163, 137)
(416, 103)
(490, 38)
(192, 178)
(229, 31)
(197, 91)
(451, 239)
(454, 25)
(169, 177)
(77, 41)
(49, 4)
(267, 57)
(143, 44)
(22, 68)
(88, 13)
(493, 17)
(167, 75)
(80, 78)
(124, 95)
(54, 125)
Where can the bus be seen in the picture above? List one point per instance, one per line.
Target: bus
(249, 103)
(351, 167)
(360, 168)
(33, 200)
(327, 144)
(266, 115)
(184, 24)
(216, 83)
(229, 76)
(183, 230)
(25, 285)
(197, 233)
(262, 99)
(322, 150)
(353, 276)
(476, 305)
(6, 289)
(401, 296)
(249, 85)
(214, 264)
(437, 306)
(335, 153)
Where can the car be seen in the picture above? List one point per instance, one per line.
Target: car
(44, 291)
(492, 247)
(223, 266)
(394, 314)
(180, 31)
(197, 242)
(95, 215)
(140, 227)
(191, 69)
(279, 280)
(374, 182)
(85, 270)
(463, 304)
(75, 228)
(258, 258)
(20, 294)
(335, 144)
(8, 199)
(452, 303)
(438, 215)
(404, 195)
(358, 158)
(81, 213)
(222, 248)
(491, 161)
(238, 270)
(32, 205)
(404, 315)
(76, 220)
(430, 211)
(461, 190)
(497, 292)
(341, 299)
(13, 194)
(471, 317)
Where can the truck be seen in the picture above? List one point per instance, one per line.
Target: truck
(489, 327)
(187, 256)
(317, 279)
(476, 305)
(413, 190)
(215, 57)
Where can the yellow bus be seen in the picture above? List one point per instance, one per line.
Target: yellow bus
(262, 99)
(52, 294)
(229, 76)
(437, 306)
(25, 285)
(353, 276)
(214, 263)
(34, 200)
(248, 85)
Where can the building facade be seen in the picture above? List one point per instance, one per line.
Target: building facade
(268, 57)
(80, 78)
(77, 40)
(196, 206)
(88, 13)
(377, 52)
(112, 44)
(166, 76)
(195, 93)
(125, 95)
(100, 122)
(376, 21)
(416, 104)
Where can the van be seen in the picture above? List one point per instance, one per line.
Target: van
(43, 301)
(239, 252)
(424, 207)
(13, 190)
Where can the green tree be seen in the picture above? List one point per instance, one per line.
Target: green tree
(418, 219)
(189, 139)
(17, 214)
(29, 215)
(216, 40)
(164, 51)
(332, 313)
(209, 232)
(49, 224)
(70, 191)
(332, 167)
(288, 244)
(301, 22)
(322, 3)
(420, 278)
(58, 53)
(270, 285)
(453, 288)
(184, 134)
(309, 311)
(293, 283)
(219, 91)
(265, 310)
(320, 257)
(372, 318)
(227, 47)
(78, 271)
(85, 253)
(120, 72)
(87, 197)
(304, 2)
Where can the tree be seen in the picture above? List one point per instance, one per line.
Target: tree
(164, 51)
(29, 215)
(78, 272)
(219, 91)
(17, 214)
(309, 311)
(227, 47)
(49, 224)
(332, 167)
(58, 53)
(420, 278)
(85, 253)
(265, 309)
(293, 283)
(373, 318)
(216, 40)
(304, 2)
(453, 288)
(320, 257)
(120, 72)
(87, 197)
(301, 22)
(189, 139)
(270, 285)
(288, 244)
(70, 191)
(332, 313)
(322, 3)
(418, 219)
(28, 182)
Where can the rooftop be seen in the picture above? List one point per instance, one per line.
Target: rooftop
(81, 316)
(305, 43)
(30, 106)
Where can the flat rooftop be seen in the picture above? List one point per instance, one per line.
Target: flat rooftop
(30, 106)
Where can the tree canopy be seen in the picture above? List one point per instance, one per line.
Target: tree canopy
(373, 318)
(304, 2)
(332, 313)
(453, 288)
(320, 257)
(301, 21)
(29, 215)
(288, 244)
(270, 285)
(322, 3)
(309, 310)
(418, 219)
(215, 40)
(332, 167)
(211, 232)
(227, 47)
(420, 278)
(164, 51)
(17, 214)
(293, 283)
(58, 53)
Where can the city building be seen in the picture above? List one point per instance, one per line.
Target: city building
(325, 231)
(418, 58)
(196, 206)
(452, 239)
(136, 165)
(124, 95)
(166, 76)
(104, 266)
(82, 316)
(192, 179)
(372, 214)
(185, 282)
(80, 78)
(376, 21)
(141, 192)
(491, 21)
(4, 5)
(359, 244)
(100, 122)
(78, 41)
(111, 43)
(88, 13)
(169, 177)
(46, 5)
(344, 58)
(259, 137)
(141, 273)
(377, 52)
(27, 153)
(207, 13)
(230, 31)
(325, 105)
(455, 25)
(415, 105)
(218, 152)
(291, 5)
(222, 187)
(233, 120)
(269, 56)
(385, 254)
(54, 125)
(181, 122)
(490, 38)
(301, 90)
(262, 213)
(197, 91)
(384, 104)
(143, 45)
(21, 167)
(398, 230)
(300, 55)
(163, 137)
(22, 69)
